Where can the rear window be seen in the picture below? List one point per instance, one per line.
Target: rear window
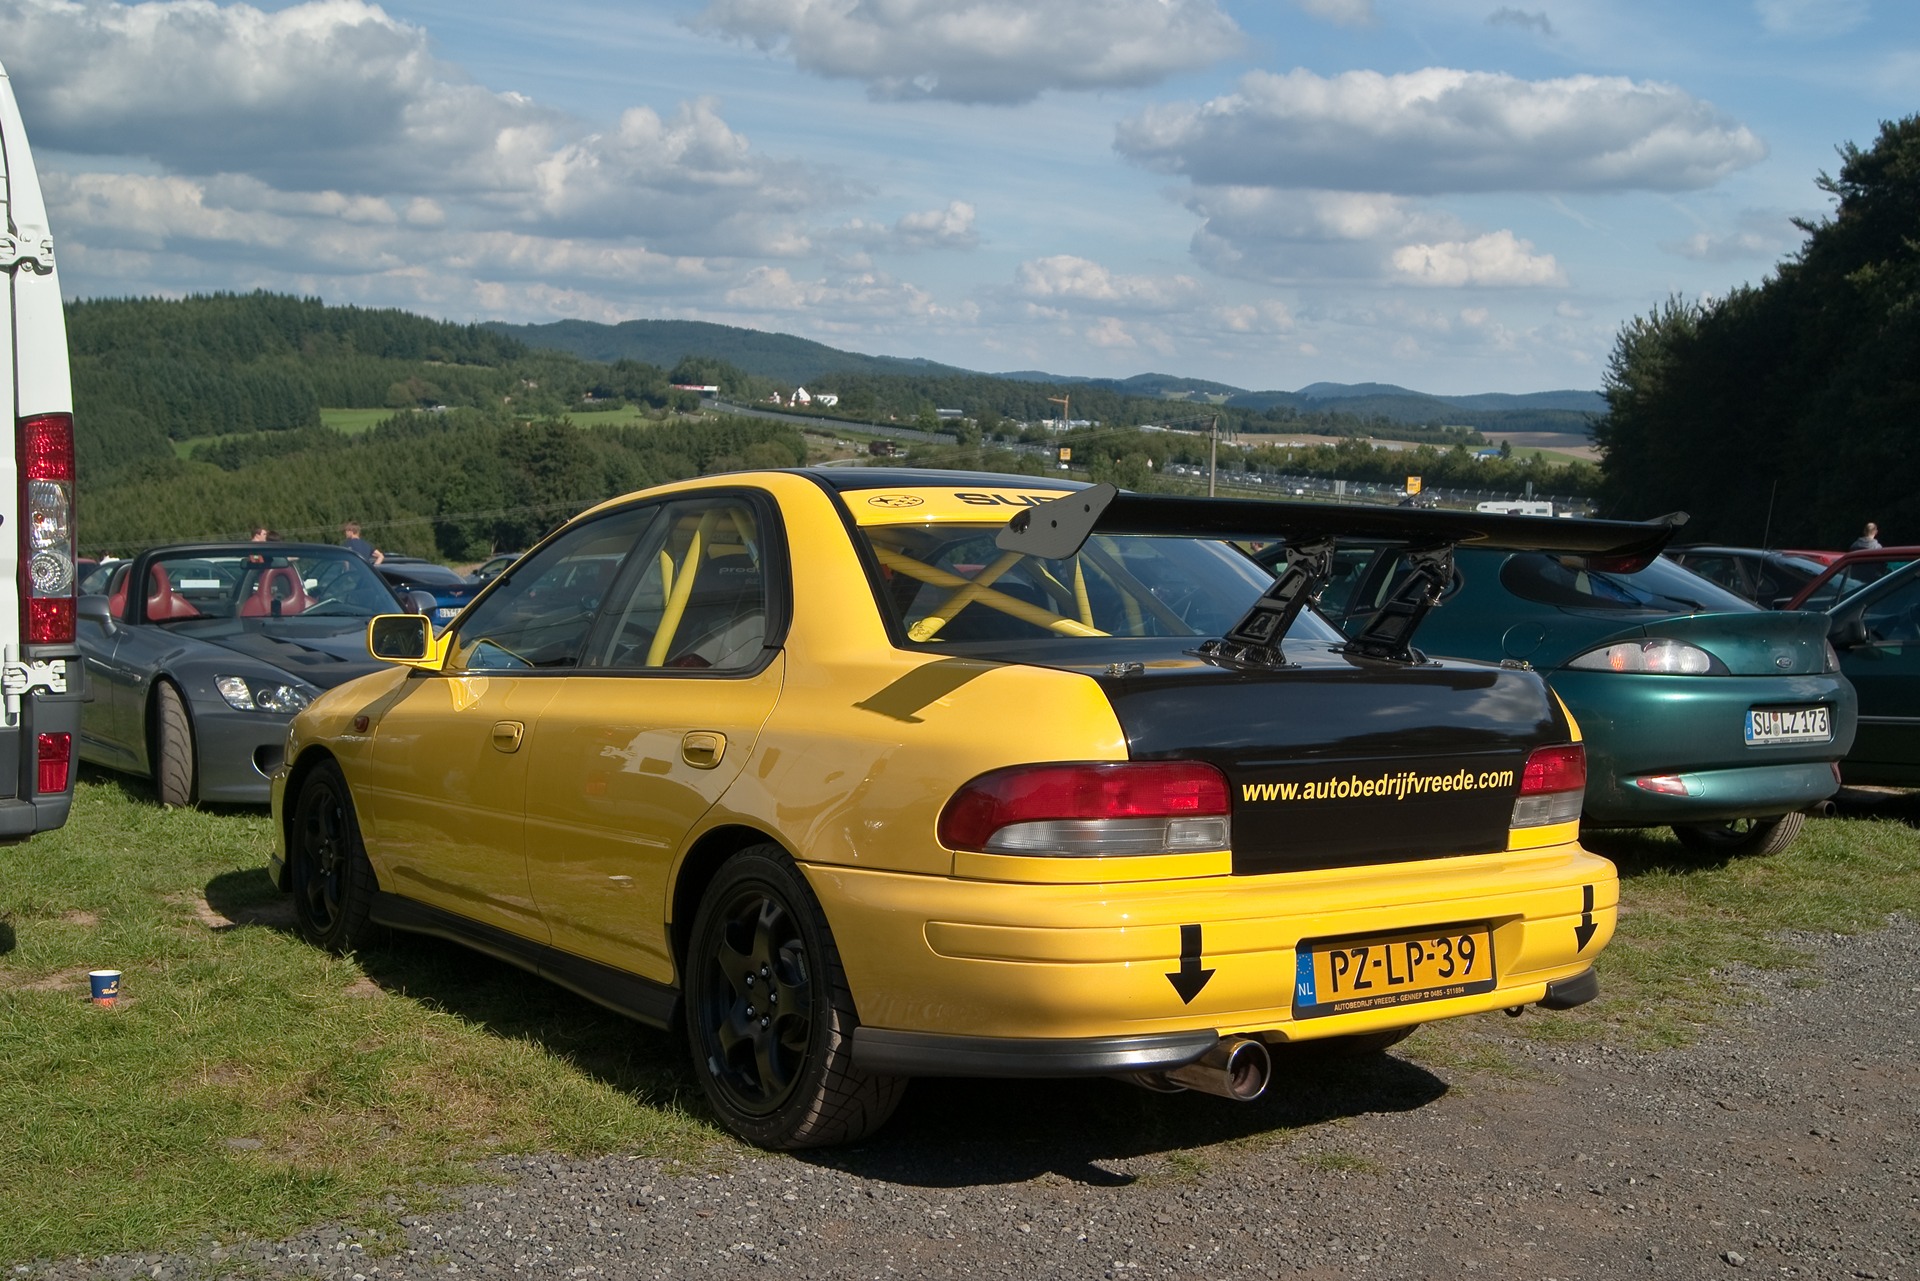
(947, 583)
(1662, 587)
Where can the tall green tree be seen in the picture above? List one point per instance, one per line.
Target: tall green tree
(1787, 411)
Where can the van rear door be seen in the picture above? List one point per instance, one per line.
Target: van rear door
(40, 718)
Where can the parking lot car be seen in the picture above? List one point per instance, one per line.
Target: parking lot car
(449, 589)
(1877, 634)
(199, 655)
(491, 568)
(1766, 578)
(863, 774)
(1847, 573)
(1700, 709)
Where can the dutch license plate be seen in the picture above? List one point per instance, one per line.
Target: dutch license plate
(1789, 725)
(1340, 976)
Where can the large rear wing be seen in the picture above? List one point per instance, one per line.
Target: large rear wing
(1056, 530)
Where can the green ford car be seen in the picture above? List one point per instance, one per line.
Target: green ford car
(1700, 709)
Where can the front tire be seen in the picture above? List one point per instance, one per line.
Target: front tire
(769, 1018)
(174, 767)
(1741, 837)
(333, 884)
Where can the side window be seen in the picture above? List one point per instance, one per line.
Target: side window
(540, 616)
(1894, 619)
(696, 600)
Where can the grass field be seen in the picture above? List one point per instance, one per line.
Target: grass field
(248, 1083)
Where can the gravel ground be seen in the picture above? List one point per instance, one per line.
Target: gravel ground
(1786, 1142)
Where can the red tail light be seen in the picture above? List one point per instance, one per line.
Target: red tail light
(1126, 807)
(47, 557)
(1553, 786)
(55, 756)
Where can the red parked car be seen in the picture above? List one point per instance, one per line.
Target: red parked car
(1848, 573)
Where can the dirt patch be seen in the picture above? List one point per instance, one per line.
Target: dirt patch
(58, 981)
(87, 919)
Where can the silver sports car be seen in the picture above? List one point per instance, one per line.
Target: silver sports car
(199, 655)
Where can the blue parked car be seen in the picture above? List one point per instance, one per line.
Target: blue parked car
(449, 590)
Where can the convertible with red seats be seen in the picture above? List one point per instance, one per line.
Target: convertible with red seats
(199, 655)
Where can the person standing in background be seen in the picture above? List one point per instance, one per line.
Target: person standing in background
(359, 546)
(1869, 540)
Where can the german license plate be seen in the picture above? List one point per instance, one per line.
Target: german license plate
(1789, 725)
(444, 613)
(1340, 976)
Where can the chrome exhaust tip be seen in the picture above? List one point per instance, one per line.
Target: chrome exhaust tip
(1238, 1068)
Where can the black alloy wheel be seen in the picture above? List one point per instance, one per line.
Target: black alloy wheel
(333, 884)
(769, 1017)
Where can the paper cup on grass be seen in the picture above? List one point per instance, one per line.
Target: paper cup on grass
(106, 986)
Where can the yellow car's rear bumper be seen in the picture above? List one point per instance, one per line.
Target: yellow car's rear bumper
(942, 969)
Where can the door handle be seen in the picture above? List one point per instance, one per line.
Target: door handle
(506, 735)
(703, 748)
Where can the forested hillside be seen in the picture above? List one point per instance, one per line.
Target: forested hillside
(1788, 411)
(479, 453)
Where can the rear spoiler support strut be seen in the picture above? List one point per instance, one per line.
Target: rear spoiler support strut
(1255, 639)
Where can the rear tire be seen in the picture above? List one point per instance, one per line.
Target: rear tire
(1741, 837)
(174, 767)
(769, 1017)
(333, 883)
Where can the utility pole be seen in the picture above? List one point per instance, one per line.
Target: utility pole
(1213, 452)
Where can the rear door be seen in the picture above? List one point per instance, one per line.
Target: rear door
(43, 676)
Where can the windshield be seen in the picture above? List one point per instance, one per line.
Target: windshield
(943, 584)
(1662, 587)
(268, 585)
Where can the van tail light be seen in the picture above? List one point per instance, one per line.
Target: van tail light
(47, 555)
(54, 754)
(1091, 810)
(1553, 786)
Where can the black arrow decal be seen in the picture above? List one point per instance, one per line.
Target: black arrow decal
(1189, 978)
(1584, 930)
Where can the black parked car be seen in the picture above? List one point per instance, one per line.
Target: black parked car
(449, 590)
(199, 655)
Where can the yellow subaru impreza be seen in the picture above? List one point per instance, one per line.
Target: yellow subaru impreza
(863, 774)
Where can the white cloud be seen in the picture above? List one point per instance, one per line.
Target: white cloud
(869, 296)
(1803, 18)
(1758, 233)
(1496, 259)
(1347, 13)
(983, 51)
(1066, 281)
(336, 99)
(928, 229)
(1440, 130)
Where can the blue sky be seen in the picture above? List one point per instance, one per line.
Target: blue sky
(1453, 195)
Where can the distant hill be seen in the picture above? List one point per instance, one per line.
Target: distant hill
(781, 357)
(797, 361)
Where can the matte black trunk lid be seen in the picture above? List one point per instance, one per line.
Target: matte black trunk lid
(1338, 761)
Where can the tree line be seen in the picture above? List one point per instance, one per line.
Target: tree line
(1785, 412)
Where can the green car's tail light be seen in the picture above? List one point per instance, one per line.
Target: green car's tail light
(1553, 786)
(1663, 657)
(1092, 810)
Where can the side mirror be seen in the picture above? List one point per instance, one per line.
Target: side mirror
(401, 638)
(1847, 632)
(95, 609)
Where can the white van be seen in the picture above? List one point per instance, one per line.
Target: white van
(40, 668)
(1516, 507)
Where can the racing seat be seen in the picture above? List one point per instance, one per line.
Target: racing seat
(278, 593)
(164, 603)
(725, 625)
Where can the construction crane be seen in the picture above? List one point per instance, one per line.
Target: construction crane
(1066, 417)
